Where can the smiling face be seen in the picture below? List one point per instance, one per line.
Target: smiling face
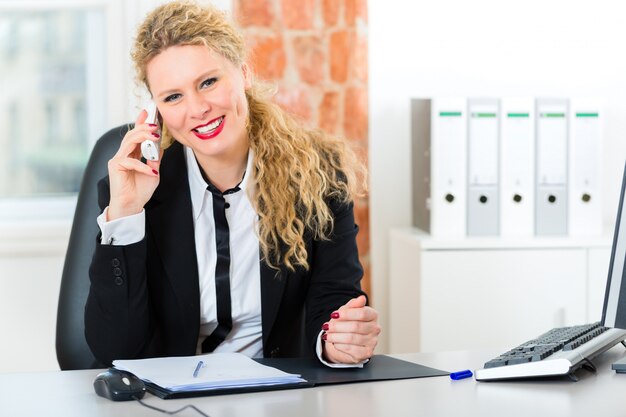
(201, 98)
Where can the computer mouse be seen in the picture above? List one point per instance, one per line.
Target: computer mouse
(119, 385)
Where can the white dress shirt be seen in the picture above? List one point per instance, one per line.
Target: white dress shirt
(245, 280)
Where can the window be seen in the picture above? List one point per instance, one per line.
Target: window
(65, 79)
(53, 99)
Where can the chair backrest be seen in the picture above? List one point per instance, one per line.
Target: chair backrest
(71, 347)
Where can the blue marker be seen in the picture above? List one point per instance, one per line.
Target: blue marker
(461, 374)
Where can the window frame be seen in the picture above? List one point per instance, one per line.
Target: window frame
(36, 211)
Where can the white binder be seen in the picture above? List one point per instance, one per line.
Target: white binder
(439, 139)
(517, 165)
(482, 176)
(551, 142)
(585, 159)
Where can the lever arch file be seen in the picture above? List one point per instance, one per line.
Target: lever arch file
(585, 159)
(482, 178)
(551, 203)
(439, 142)
(517, 164)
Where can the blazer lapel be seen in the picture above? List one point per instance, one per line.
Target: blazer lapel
(170, 220)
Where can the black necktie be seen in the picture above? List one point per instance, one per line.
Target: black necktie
(222, 270)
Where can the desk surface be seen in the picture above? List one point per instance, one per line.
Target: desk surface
(70, 393)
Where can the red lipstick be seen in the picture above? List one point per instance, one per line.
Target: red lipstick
(210, 134)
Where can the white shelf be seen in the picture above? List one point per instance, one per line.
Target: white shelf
(427, 242)
(478, 293)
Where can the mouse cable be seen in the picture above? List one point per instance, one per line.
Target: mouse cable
(172, 412)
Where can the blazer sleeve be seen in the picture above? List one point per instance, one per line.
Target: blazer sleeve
(117, 312)
(336, 271)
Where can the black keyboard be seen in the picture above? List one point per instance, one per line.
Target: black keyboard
(560, 351)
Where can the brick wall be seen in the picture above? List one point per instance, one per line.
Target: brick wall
(315, 51)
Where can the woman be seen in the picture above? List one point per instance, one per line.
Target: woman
(242, 235)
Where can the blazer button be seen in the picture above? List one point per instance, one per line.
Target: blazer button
(117, 272)
(274, 353)
(115, 262)
(119, 281)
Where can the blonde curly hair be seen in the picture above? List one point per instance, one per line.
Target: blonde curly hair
(297, 171)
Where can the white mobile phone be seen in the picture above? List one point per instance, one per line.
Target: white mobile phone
(151, 149)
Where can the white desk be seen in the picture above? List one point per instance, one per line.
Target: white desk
(71, 393)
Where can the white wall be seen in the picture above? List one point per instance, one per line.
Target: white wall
(31, 260)
(425, 48)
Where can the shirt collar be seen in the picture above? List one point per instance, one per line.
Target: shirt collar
(197, 184)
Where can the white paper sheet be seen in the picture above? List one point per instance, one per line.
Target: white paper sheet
(219, 370)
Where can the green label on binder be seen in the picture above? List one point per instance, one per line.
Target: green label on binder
(483, 115)
(553, 115)
(450, 113)
(587, 115)
(518, 115)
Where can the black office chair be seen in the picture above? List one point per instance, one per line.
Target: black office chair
(71, 347)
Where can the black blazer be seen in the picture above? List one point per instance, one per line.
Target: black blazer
(144, 299)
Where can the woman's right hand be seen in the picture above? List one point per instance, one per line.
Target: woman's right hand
(132, 182)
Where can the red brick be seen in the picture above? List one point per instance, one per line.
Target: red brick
(355, 10)
(341, 51)
(330, 12)
(254, 12)
(355, 120)
(295, 100)
(329, 112)
(268, 56)
(310, 58)
(361, 10)
(360, 66)
(350, 9)
(298, 14)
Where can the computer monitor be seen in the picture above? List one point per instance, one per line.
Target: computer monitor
(614, 310)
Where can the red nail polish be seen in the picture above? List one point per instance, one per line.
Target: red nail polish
(324, 336)
(325, 326)
(156, 135)
(152, 125)
(155, 172)
(334, 315)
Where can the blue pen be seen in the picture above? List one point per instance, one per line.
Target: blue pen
(461, 374)
(198, 366)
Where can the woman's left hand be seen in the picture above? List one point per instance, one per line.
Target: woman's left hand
(352, 332)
